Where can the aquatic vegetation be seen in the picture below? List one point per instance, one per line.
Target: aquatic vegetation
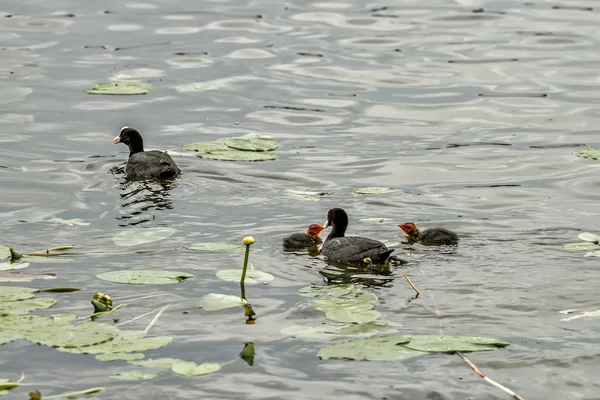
(120, 88)
(592, 242)
(376, 190)
(137, 236)
(145, 277)
(245, 148)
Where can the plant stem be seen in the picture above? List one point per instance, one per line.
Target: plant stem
(243, 288)
(488, 379)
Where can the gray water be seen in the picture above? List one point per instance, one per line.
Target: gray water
(472, 108)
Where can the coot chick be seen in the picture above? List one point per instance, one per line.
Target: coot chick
(352, 250)
(142, 164)
(302, 240)
(428, 237)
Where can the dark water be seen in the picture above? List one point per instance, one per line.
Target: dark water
(472, 108)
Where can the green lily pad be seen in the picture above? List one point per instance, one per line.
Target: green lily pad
(14, 327)
(398, 347)
(333, 331)
(237, 155)
(64, 334)
(26, 306)
(14, 293)
(46, 260)
(216, 301)
(589, 237)
(119, 356)
(120, 88)
(453, 343)
(145, 276)
(209, 246)
(347, 315)
(204, 147)
(252, 276)
(7, 266)
(376, 190)
(4, 252)
(157, 362)
(134, 376)
(252, 144)
(373, 348)
(133, 237)
(582, 246)
(330, 290)
(69, 222)
(123, 342)
(190, 368)
(592, 254)
(590, 152)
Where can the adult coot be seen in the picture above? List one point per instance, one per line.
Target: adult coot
(142, 164)
(429, 237)
(302, 240)
(352, 250)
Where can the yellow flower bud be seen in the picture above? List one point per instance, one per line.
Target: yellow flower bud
(248, 240)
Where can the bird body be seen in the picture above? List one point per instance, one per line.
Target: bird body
(429, 237)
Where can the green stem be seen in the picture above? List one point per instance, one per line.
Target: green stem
(244, 273)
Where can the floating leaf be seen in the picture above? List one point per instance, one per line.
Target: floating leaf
(190, 368)
(333, 331)
(134, 376)
(348, 315)
(62, 289)
(216, 301)
(133, 237)
(247, 353)
(23, 276)
(252, 144)
(119, 356)
(309, 193)
(375, 220)
(157, 363)
(123, 342)
(120, 88)
(59, 248)
(204, 147)
(593, 254)
(453, 343)
(237, 155)
(398, 347)
(376, 190)
(14, 293)
(330, 290)
(145, 276)
(46, 260)
(582, 246)
(66, 335)
(590, 152)
(26, 306)
(589, 237)
(209, 246)
(4, 252)
(7, 266)
(252, 276)
(69, 222)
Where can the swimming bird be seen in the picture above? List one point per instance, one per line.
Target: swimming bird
(428, 237)
(308, 238)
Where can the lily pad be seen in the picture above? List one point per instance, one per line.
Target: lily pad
(7, 266)
(209, 246)
(119, 356)
(26, 306)
(123, 342)
(348, 315)
(157, 362)
(134, 376)
(46, 260)
(582, 246)
(376, 190)
(190, 368)
(4, 252)
(330, 290)
(66, 335)
(204, 147)
(133, 237)
(593, 254)
(589, 237)
(69, 222)
(14, 293)
(9, 276)
(333, 331)
(252, 144)
(237, 155)
(120, 88)
(145, 276)
(252, 276)
(216, 301)
(590, 152)
(398, 347)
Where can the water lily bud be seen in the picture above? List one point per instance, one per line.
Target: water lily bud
(248, 240)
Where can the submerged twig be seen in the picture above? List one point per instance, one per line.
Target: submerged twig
(488, 379)
(162, 309)
(411, 285)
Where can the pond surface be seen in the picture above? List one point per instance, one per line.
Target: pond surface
(472, 108)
